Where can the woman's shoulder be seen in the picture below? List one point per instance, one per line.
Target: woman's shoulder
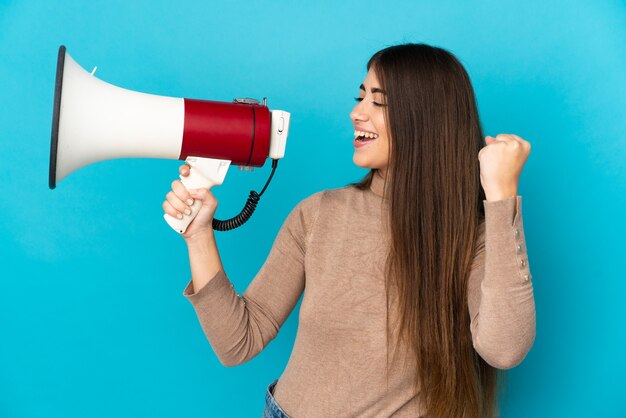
(332, 197)
(331, 194)
(326, 198)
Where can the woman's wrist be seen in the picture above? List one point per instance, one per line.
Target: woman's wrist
(500, 191)
(200, 238)
(500, 195)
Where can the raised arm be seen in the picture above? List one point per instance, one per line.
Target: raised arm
(239, 327)
(500, 291)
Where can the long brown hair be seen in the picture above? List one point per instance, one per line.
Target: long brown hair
(435, 215)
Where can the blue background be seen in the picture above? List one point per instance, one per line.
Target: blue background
(92, 318)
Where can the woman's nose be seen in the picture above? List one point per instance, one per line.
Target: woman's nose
(357, 114)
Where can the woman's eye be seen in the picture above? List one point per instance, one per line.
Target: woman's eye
(358, 99)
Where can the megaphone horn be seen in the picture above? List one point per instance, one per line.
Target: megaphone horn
(95, 121)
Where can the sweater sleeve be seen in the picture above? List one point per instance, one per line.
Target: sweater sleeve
(500, 291)
(239, 327)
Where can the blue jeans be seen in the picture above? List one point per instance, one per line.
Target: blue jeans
(272, 409)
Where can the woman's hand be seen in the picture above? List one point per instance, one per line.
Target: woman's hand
(179, 201)
(501, 163)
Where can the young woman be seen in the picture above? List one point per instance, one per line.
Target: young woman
(416, 281)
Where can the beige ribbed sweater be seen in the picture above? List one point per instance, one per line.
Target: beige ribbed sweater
(332, 247)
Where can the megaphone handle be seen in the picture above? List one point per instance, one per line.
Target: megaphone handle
(180, 225)
(204, 173)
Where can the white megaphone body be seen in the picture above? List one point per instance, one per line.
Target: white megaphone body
(96, 121)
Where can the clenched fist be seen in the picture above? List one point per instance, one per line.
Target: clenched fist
(501, 163)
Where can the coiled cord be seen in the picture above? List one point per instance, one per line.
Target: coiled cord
(248, 209)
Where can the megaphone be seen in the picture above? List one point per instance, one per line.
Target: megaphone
(95, 121)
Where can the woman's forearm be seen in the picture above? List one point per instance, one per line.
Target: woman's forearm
(204, 259)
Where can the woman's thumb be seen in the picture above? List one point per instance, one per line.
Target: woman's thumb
(195, 193)
(200, 194)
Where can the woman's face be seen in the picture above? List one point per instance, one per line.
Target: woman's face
(368, 116)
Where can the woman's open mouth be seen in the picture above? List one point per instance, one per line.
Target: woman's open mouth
(363, 138)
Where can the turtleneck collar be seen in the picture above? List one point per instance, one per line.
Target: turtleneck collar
(378, 182)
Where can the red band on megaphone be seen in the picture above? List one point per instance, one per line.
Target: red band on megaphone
(228, 131)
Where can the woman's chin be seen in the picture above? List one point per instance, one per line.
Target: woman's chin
(359, 161)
